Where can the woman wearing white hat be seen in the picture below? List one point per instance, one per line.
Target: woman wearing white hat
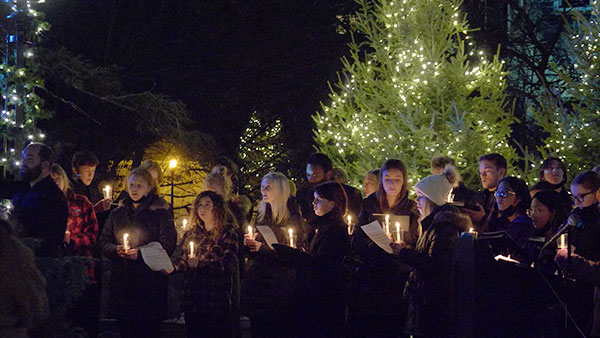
(429, 287)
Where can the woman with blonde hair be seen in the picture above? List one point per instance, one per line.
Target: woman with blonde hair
(268, 296)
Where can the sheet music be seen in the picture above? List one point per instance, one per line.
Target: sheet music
(376, 234)
(267, 234)
(156, 257)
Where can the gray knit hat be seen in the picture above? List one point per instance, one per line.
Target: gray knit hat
(438, 187)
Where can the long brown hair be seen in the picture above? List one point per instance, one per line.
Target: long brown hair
(381, 194)
(219, 209)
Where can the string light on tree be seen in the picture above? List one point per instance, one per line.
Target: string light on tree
(414, 89)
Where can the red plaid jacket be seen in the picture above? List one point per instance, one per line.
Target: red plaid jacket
(83, 225)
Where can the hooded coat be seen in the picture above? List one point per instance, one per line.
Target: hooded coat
(429, 289)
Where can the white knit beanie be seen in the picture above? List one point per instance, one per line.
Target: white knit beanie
(438, 187)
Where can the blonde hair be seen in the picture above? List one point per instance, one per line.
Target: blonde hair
(151, 165)
(58, 170)
(218, 177)
(279, 210)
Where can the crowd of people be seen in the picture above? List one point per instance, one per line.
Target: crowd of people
(299, 264)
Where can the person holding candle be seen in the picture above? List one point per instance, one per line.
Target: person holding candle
(376, 305)
(429, 288)
(321, 286)
(510, 212)
(80, 239)
(209, 262)
(138, 295)
(268, 293)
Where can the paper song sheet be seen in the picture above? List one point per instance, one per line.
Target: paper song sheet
(156, 257)
(376, 234)
(267, 234)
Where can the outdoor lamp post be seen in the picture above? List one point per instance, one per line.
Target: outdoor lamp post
(172, 165)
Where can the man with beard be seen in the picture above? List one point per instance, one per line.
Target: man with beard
(40, 208)
(318, 170)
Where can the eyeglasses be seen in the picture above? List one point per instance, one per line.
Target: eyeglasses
(550, 170)
(581, 198)
(504, 194)
(531, 212)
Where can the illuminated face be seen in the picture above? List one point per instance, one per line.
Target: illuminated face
(86, 173)
(540, 214)
(322, 206)
(138, 187)
(490, 175)
(583, 197)
(206, 210)
(554, 174)
(393, 181)
(506, 197)
(267, 190)
(371, 183)
(315, 173)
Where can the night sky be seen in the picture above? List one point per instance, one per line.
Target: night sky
(223, 59)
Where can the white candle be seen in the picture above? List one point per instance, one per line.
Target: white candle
(471, 230)
(192, 250)
(185, 222)
(562, 241)
(126, 241)
(107, 191)
(387, 224)
(398, 237)
(349, 219)
(250, 231)
(291, 234)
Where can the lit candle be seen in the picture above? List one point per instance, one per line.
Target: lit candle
(185, 222)
(126, 241)
(562, 241)
(387, 224)
(291, 234)
(107, 191)
(250, 231)
(349, 219)
(192, 250)
(471, 230)
(398, 237)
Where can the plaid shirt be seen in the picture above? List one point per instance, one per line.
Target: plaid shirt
(83, 225)
(209, 287)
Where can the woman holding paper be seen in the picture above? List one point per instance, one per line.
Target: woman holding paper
(268, 293)
(376, 305)
(209, 261)
(138, 295)
(429, 288)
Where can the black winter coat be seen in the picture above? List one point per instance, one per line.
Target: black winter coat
(136, 292)
(429, 288)
(320, 274)
(270, 288)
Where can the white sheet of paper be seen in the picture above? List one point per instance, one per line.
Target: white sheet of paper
(156, 257)
(267, 234)
(377, 235)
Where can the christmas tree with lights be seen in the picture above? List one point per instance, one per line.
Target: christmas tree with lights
(22, 27)
(571, 115)
(261, 150)
(414, 87)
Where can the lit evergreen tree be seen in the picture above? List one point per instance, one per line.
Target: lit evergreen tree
(21, 27)
(572, 116)
(261, 151)
(414, 88)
